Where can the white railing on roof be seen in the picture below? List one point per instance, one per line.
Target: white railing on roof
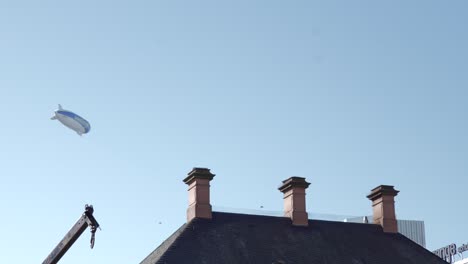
(267, 212)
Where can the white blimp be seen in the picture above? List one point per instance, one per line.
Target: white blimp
(72, 121)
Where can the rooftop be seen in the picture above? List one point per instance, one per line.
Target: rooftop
(243, 238)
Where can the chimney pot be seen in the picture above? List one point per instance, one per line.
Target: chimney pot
(383, 204)
(294, 200)
(198, 181)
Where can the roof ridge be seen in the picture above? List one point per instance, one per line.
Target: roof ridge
(363, 225)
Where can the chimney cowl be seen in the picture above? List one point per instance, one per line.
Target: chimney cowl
(199, 173)
(294, 181)
(379, 191)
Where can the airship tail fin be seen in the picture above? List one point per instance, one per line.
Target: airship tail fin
(60, 107)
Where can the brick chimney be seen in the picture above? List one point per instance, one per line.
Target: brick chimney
(383, 205)
(294, 200)
(198, 181)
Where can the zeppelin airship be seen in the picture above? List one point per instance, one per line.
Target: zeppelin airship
(72, 121)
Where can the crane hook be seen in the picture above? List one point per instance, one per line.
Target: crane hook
(93, 235)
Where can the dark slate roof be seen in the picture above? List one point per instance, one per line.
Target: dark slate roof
(239, 238)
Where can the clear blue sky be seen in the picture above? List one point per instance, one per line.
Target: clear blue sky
(349, 94)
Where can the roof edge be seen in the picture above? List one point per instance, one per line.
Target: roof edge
(165, 246)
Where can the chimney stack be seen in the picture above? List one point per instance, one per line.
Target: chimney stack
(294, 200)
(198, 181)
(383, 204)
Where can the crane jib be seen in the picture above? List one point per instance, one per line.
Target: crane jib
(86, 219)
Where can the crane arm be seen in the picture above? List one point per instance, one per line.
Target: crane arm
(87, 219)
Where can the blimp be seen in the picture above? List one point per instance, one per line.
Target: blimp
(72, 121)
